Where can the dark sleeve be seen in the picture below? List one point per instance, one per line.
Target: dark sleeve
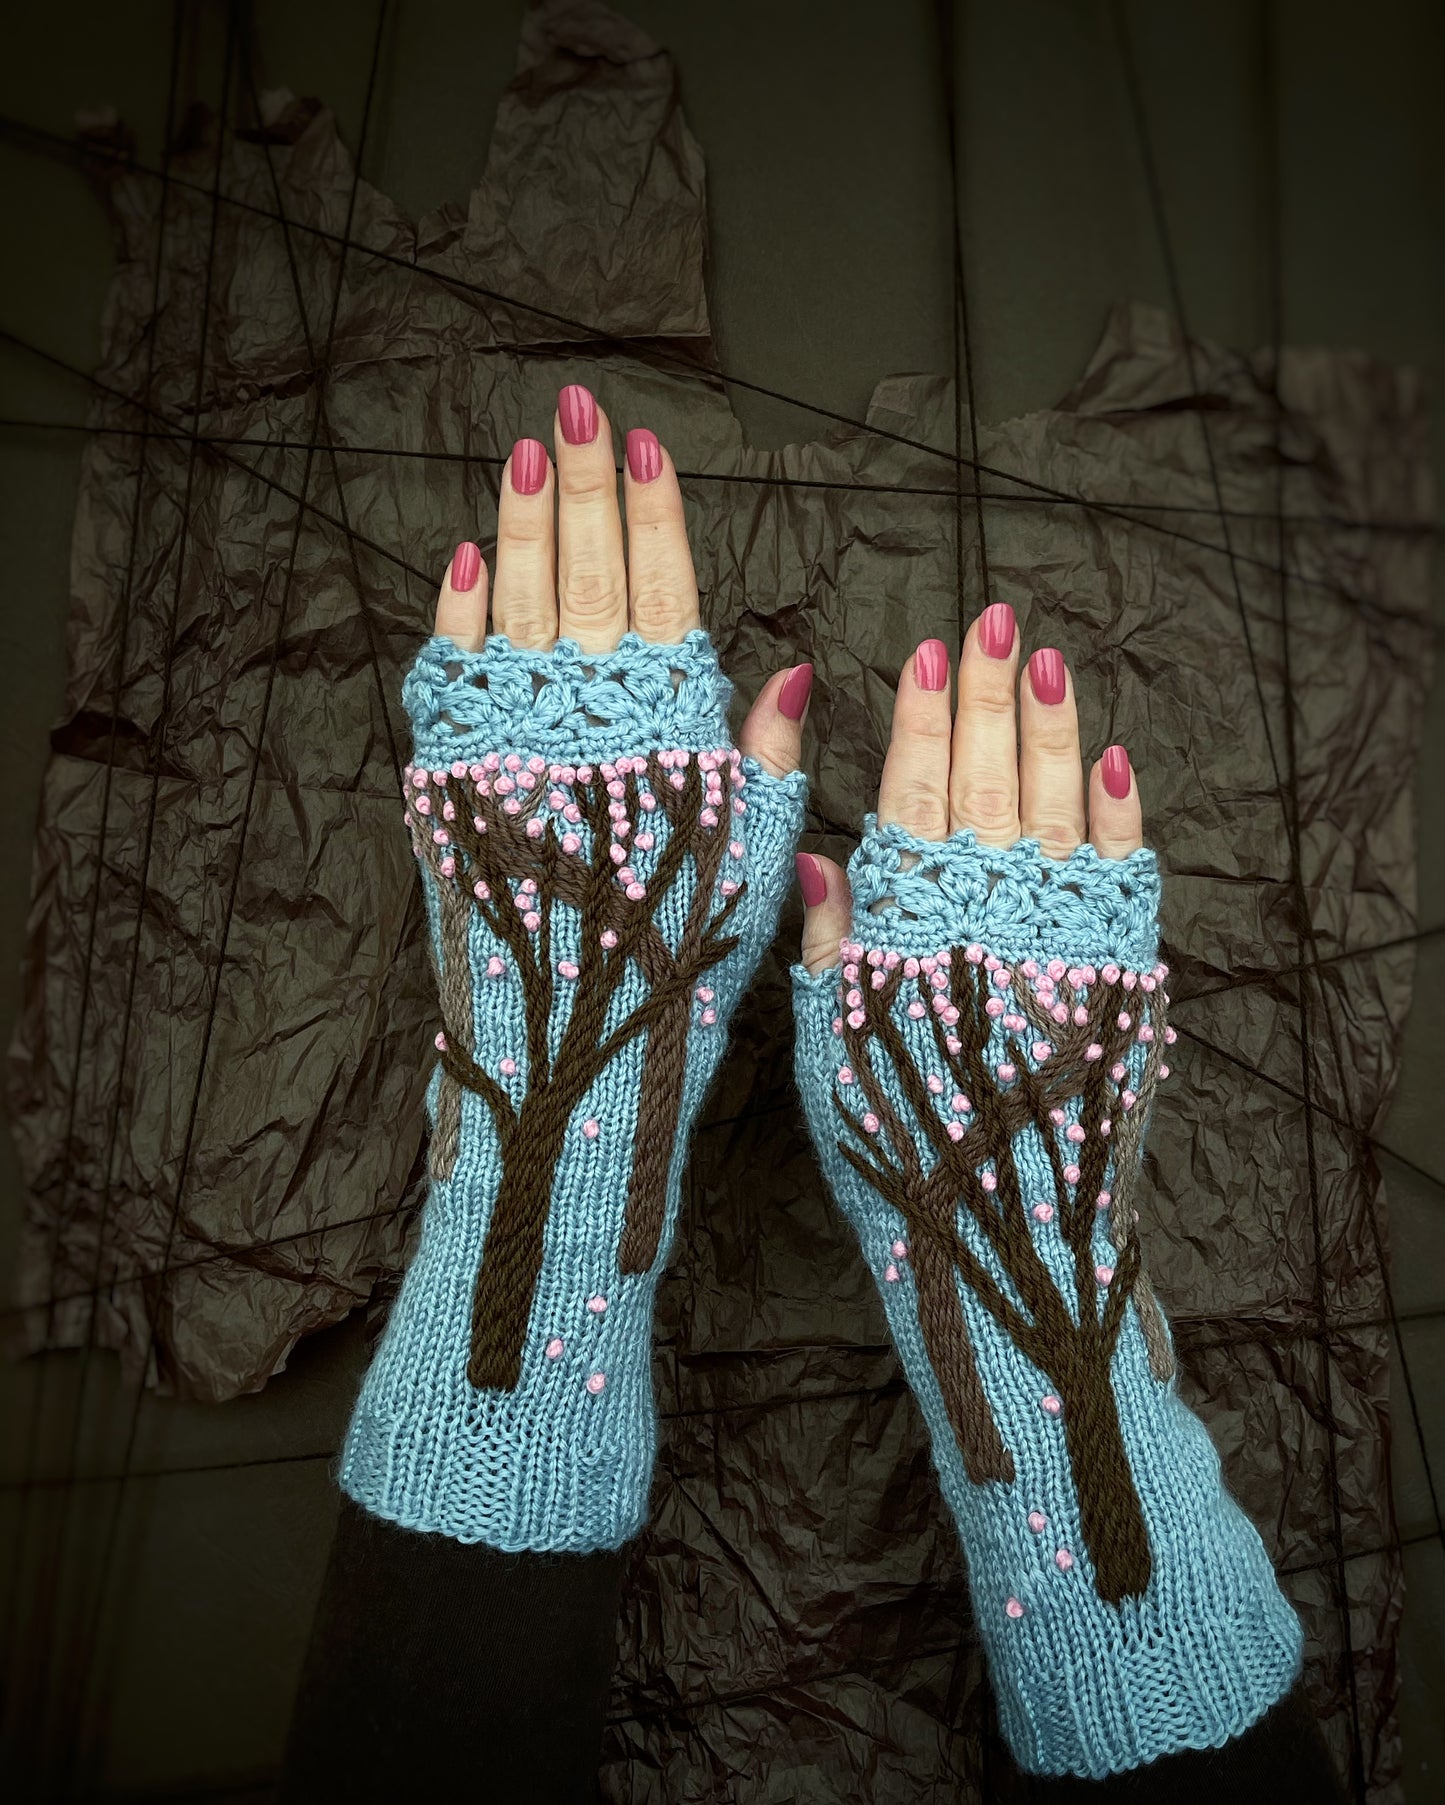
(440, 1670)
(1281, 1760)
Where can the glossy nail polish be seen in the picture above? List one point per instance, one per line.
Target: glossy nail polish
(930, 665)
(466, 567)
(996, 629)
(578, 413)
(810, 879)
(797, 687)
(1046, 674)
(644, 455)
(529, 466)
(1116, 772)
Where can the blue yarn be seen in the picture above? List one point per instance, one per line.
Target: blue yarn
(1084, 1686)
(551, 1465)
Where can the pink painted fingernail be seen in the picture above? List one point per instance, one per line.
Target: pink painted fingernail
(644, 454)
(996, 629)
(1116, 772)
(529, 466)
(797, 687)
(930, 665)
(810, 879)
(466, 567)
(1046, 674)
(578, 413)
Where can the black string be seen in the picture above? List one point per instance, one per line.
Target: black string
(654, 354)
(13, 1644)
(1287, 789)
(245, 1252)
(72, 1681)
(756, 479)
(320, 376)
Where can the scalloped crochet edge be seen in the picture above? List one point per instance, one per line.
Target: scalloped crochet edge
(654, 695)
(917, 896)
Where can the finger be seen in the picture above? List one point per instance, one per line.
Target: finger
(827, 909)
(462, 604)
(662, 588)
(591, 573)
(524, 596)
(983, 791)
(914, 790)
(773, 731)
(1116, 816)
(1051, 772)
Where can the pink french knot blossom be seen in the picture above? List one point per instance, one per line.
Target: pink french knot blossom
(1110, 973)
(480, 891)
(1131, 978)
(637, 891)
(513, 761)
(973, 953)
(1071, 1175)
(989, 1181)
(566, 969)
(449, 867)
(1104, 1274)
(508, 1068)
(1030, 968)
(991, 962)
(890, 1274)
(845, 1074)
(1081, 1015)
(870, 1123)
(1116, 1072)
(935, 1084)
(1146, 1033)
(1056, 968)
(1105, 1126)
(441, 1042)
(531, 921)
(511, 806)
(1164, 1071)
(1125, 1019)
(728, 887)
(994, 1006)
(423, 805)
(899, 1250)
(1093, 1051)
(591, 1128)
(856, 1018)
(1042, 1049)
(955, 1131)
(1075, 1132)
(608, 938)
(917, 1010)
(960, 1105)
(534, 829)
(495, 967)
(1056, 1116)
(645, 842)
(1128, 1099)
(1170, 1036)
(954, 1044)
(708, 1017)
(1006, 1072)
(1043, 1212)
(1104, 1199)
(735, 849)
(571, 843)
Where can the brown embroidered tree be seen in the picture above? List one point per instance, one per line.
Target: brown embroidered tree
(929, 1159)
(516, 844)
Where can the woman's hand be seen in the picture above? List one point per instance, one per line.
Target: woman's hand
(945, 772)
(562, 573)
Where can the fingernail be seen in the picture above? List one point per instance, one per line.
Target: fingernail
(578, 412)
(529, 466)
(466, 567)
(1046, 674)
(644, 455)
(1116, 772)
(797, 687)
(996, 629)
(810, 879)
(930, 664)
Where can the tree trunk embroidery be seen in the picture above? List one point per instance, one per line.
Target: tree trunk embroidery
(950, 1149)
(513, 842)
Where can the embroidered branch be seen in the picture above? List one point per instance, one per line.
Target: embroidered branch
(633, 852)
(949, 1147)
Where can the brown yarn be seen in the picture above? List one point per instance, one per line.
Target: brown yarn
(530, 1135)
(1075, 1354)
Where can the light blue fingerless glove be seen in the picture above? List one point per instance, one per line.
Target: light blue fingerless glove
(978, 1077)
(602, 872)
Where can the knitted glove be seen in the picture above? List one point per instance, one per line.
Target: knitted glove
(978, 1079)
(602, 872)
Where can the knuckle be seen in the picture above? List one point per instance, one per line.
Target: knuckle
(523, 527)
(988, 703)
(592, 593)
(655, 607)
(1057, 835)
(991, 807)
(922, 812)
(592, 480)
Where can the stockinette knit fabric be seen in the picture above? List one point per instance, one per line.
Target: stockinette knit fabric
(602, 871)
(978, 1074)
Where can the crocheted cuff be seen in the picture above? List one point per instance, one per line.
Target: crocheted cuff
(978, 1077)
(602, 871)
